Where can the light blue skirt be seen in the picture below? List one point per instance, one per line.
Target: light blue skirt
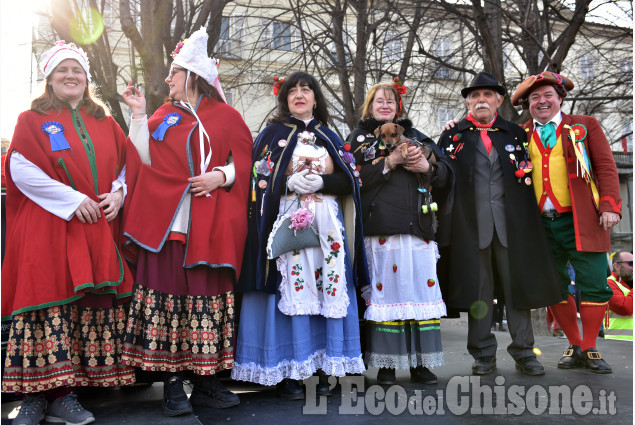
(272, 346)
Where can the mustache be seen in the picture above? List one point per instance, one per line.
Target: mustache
(482, 106)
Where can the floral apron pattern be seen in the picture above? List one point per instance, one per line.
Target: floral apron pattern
(313, 279)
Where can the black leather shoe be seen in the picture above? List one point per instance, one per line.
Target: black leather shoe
(484, 365)
(422, 375)
(530, 366)
(592, 360)
(210, 392)
(289, 389)
(322, 387)
(570, 358)
(175, 401)
(386, 376)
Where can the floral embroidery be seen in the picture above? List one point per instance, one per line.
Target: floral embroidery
(298, 283)
(318, 281)
(335, 250)
(330, 289)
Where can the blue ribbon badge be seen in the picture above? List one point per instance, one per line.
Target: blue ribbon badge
(55, 131)
(170, 120)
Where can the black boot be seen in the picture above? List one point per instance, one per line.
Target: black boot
(209, 391)
(322, 387)
(386, 376)
(289, 389)
(175, 401)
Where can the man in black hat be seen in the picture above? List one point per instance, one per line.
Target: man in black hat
(493, 236)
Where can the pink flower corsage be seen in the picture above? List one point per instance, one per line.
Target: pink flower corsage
(301, 219)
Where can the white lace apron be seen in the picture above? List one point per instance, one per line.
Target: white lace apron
(314, 279)
(403, 271)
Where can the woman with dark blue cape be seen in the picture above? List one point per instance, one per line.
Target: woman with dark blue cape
(294, 322)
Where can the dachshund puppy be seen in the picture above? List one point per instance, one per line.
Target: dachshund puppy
(391, 137)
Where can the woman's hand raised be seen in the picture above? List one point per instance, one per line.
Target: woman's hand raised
(134, 99)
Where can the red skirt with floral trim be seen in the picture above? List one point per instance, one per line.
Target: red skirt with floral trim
(171, 333)
(66, 345)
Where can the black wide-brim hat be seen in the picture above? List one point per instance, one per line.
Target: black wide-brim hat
(481, 81)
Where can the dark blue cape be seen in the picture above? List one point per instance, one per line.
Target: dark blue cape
(258, 273)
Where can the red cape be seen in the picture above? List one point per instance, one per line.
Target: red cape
(50, 261)
(218, 223)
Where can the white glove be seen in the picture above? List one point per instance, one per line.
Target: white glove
(293, 180)
(307, 183)
(366, 292)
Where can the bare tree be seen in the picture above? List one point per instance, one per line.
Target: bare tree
(161, 24)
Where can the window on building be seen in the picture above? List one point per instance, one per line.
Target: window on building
(278, 35)
(231, 36)
(108, 14)
(281, 35)
(442, 48)
(444, 114)
(345, 40)
(587, 70)
(393, 49)
(627, 137)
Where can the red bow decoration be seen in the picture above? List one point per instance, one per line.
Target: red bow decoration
(398, 85)
(276, 86)
(401, 89)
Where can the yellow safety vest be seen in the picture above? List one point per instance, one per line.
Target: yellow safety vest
(620, 327)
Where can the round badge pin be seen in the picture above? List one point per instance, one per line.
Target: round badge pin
(282, 143)
(509, 148)
(528, 181)
(360, 138)
(525, 166)
(262, 184)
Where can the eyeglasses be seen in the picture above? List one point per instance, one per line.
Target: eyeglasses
(174, 70)
(630, 263)
(390, 103)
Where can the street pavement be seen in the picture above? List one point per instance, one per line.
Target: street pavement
(560, 396)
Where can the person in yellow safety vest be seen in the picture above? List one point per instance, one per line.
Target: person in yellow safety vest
(620, 314)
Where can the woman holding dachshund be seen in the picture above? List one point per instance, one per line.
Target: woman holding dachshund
(404, 301)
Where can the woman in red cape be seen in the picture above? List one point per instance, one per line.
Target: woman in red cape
(63, 276)
(188, 173)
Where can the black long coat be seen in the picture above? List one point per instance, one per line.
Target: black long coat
(534, 279)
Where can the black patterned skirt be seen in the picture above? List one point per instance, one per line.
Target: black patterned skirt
(66, 345)
(180, 319)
